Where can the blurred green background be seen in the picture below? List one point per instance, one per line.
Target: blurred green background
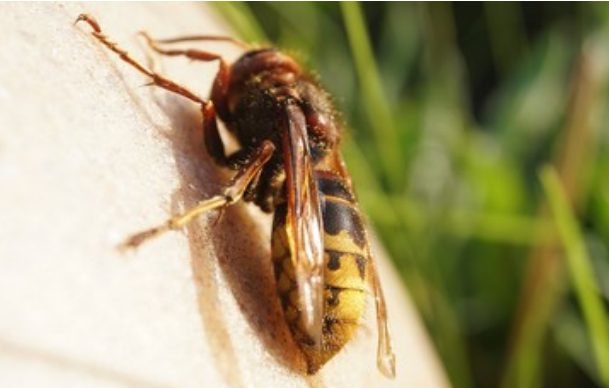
(452, 110)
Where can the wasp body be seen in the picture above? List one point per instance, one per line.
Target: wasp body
(288, 162)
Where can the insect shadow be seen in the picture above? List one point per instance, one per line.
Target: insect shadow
(240, 243)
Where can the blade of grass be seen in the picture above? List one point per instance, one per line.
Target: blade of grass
(580, 270)
(373, 98)
(242, 20)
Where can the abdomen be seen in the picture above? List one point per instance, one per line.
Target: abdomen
(345, 271)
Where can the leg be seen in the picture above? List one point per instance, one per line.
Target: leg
(156, 78)
(269, 183)
(221, 83)
(211, 136)
(231, 195)
(193, 54)
(209, 38)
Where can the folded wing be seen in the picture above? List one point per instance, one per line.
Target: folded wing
(304, 222)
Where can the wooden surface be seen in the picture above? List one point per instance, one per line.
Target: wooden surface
(87, 156)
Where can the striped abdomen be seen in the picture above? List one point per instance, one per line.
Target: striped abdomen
(345, 271)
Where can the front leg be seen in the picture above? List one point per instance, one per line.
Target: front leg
(156, 79)
(211, 135)
(213, 141)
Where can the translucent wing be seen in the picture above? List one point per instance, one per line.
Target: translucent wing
(304, 222)
(385, 358)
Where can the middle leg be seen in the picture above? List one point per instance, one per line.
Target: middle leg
(221, 82)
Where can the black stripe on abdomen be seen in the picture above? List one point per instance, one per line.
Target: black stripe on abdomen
(339, 210)
(334, 186)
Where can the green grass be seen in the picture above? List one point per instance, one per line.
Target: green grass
(580, 270)
(450, 112)
(372, 98)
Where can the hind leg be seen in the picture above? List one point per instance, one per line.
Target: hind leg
(231, 194)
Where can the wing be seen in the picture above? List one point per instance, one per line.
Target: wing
(385, 358)
(304, 222)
